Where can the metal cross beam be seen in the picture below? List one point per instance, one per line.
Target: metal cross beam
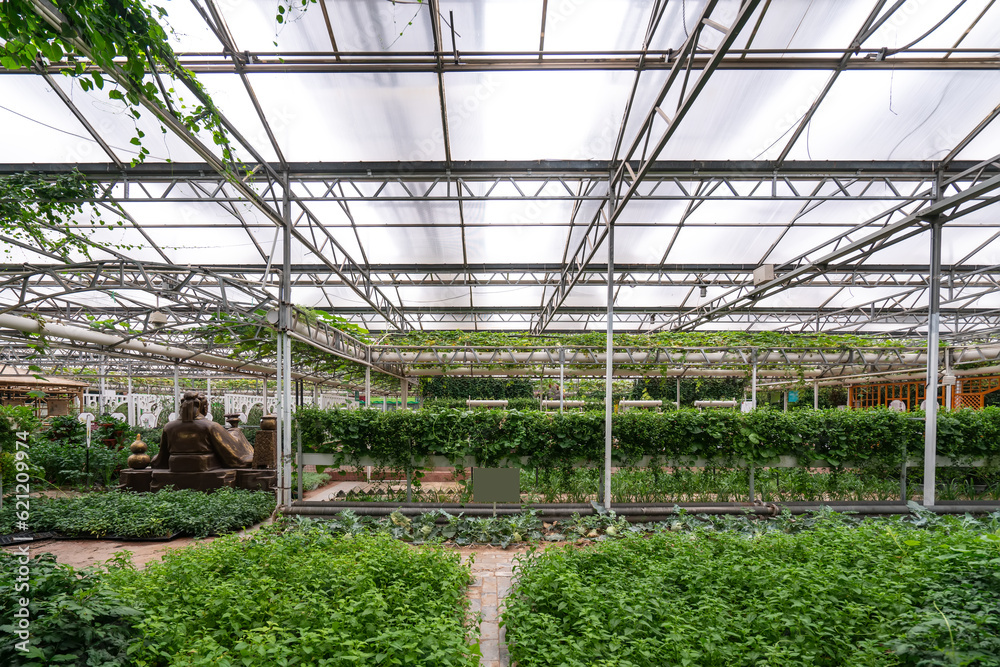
(868, 59)
(843, 253)
(305, 227)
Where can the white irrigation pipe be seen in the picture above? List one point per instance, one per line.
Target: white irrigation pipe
(114, 342)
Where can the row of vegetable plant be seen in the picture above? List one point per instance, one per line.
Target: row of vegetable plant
(281, 596)
(719, 437)
(841, 593)
(144, 515)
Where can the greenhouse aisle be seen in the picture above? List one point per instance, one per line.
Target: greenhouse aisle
(492, 571)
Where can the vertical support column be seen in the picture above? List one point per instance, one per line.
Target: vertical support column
(931, 394)
(753, 383)
(177, 391)
(315, 395)
(208, 396)
(562, 378)
(264, 395)
(284, 368)
(129, 399)
(949, 389)
(101, 387)
(815, 395)
(286, 419)
(784, 404)
(609, 367)
(404, 387)
(300, 390)
(368, 387)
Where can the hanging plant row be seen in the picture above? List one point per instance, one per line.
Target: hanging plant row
(718, 437)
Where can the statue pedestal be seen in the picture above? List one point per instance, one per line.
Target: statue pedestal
(262, 479)
(199, 481)
(142, 481)
(137, 480)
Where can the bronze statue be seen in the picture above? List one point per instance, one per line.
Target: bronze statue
(194, 437)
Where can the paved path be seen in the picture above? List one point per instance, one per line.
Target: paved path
(492, 570)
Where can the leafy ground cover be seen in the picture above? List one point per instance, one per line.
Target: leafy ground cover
(301, 596)
(281, 596)
(75, 617)
(144, 515)
(924, 591)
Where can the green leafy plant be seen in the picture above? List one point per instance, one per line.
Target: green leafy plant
(298, 595)
(75, 618)
(840, 592)
(145, 515)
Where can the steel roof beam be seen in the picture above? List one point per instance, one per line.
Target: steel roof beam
(427, 62)
(645, 147)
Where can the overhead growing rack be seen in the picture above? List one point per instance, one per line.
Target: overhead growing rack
(643, 165)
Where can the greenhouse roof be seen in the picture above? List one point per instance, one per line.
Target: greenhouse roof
(454, 164)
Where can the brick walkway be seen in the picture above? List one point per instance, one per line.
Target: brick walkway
(492, 570)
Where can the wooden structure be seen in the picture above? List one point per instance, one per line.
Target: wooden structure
(968, 392)
(61, 394)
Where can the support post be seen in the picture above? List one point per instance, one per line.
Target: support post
(949, 389)
(177, 391)
(284, 369)
(404, 387)
(678, 393)
(753, 383)
(299, 398)
(784, 405)
(815, 395)
(101, 387)
(609, 367)
(368, 387)
(208, 396)
(930, 395)
(562, 378)
(129, 399)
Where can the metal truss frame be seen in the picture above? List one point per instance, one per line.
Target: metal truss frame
(908, 194)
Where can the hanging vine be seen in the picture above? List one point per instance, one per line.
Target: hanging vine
(37, 212)
(122, 38)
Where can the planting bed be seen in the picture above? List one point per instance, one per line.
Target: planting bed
(280, 596)
(127, 515)
(921, 592)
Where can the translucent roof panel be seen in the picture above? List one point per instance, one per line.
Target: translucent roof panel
(363, 25)
(498, 245)
(901, 115)
(419, 297)
(401, 213)
(916, 21)
(38, 127)
(118, 127)
(602, 25)
(726, 245)
(807, 24)
(535, 115)
(186, 29)
(770, 105)
(492, 25)
(345, 117)
(500, 296)
(523, 212)
(401, 245)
